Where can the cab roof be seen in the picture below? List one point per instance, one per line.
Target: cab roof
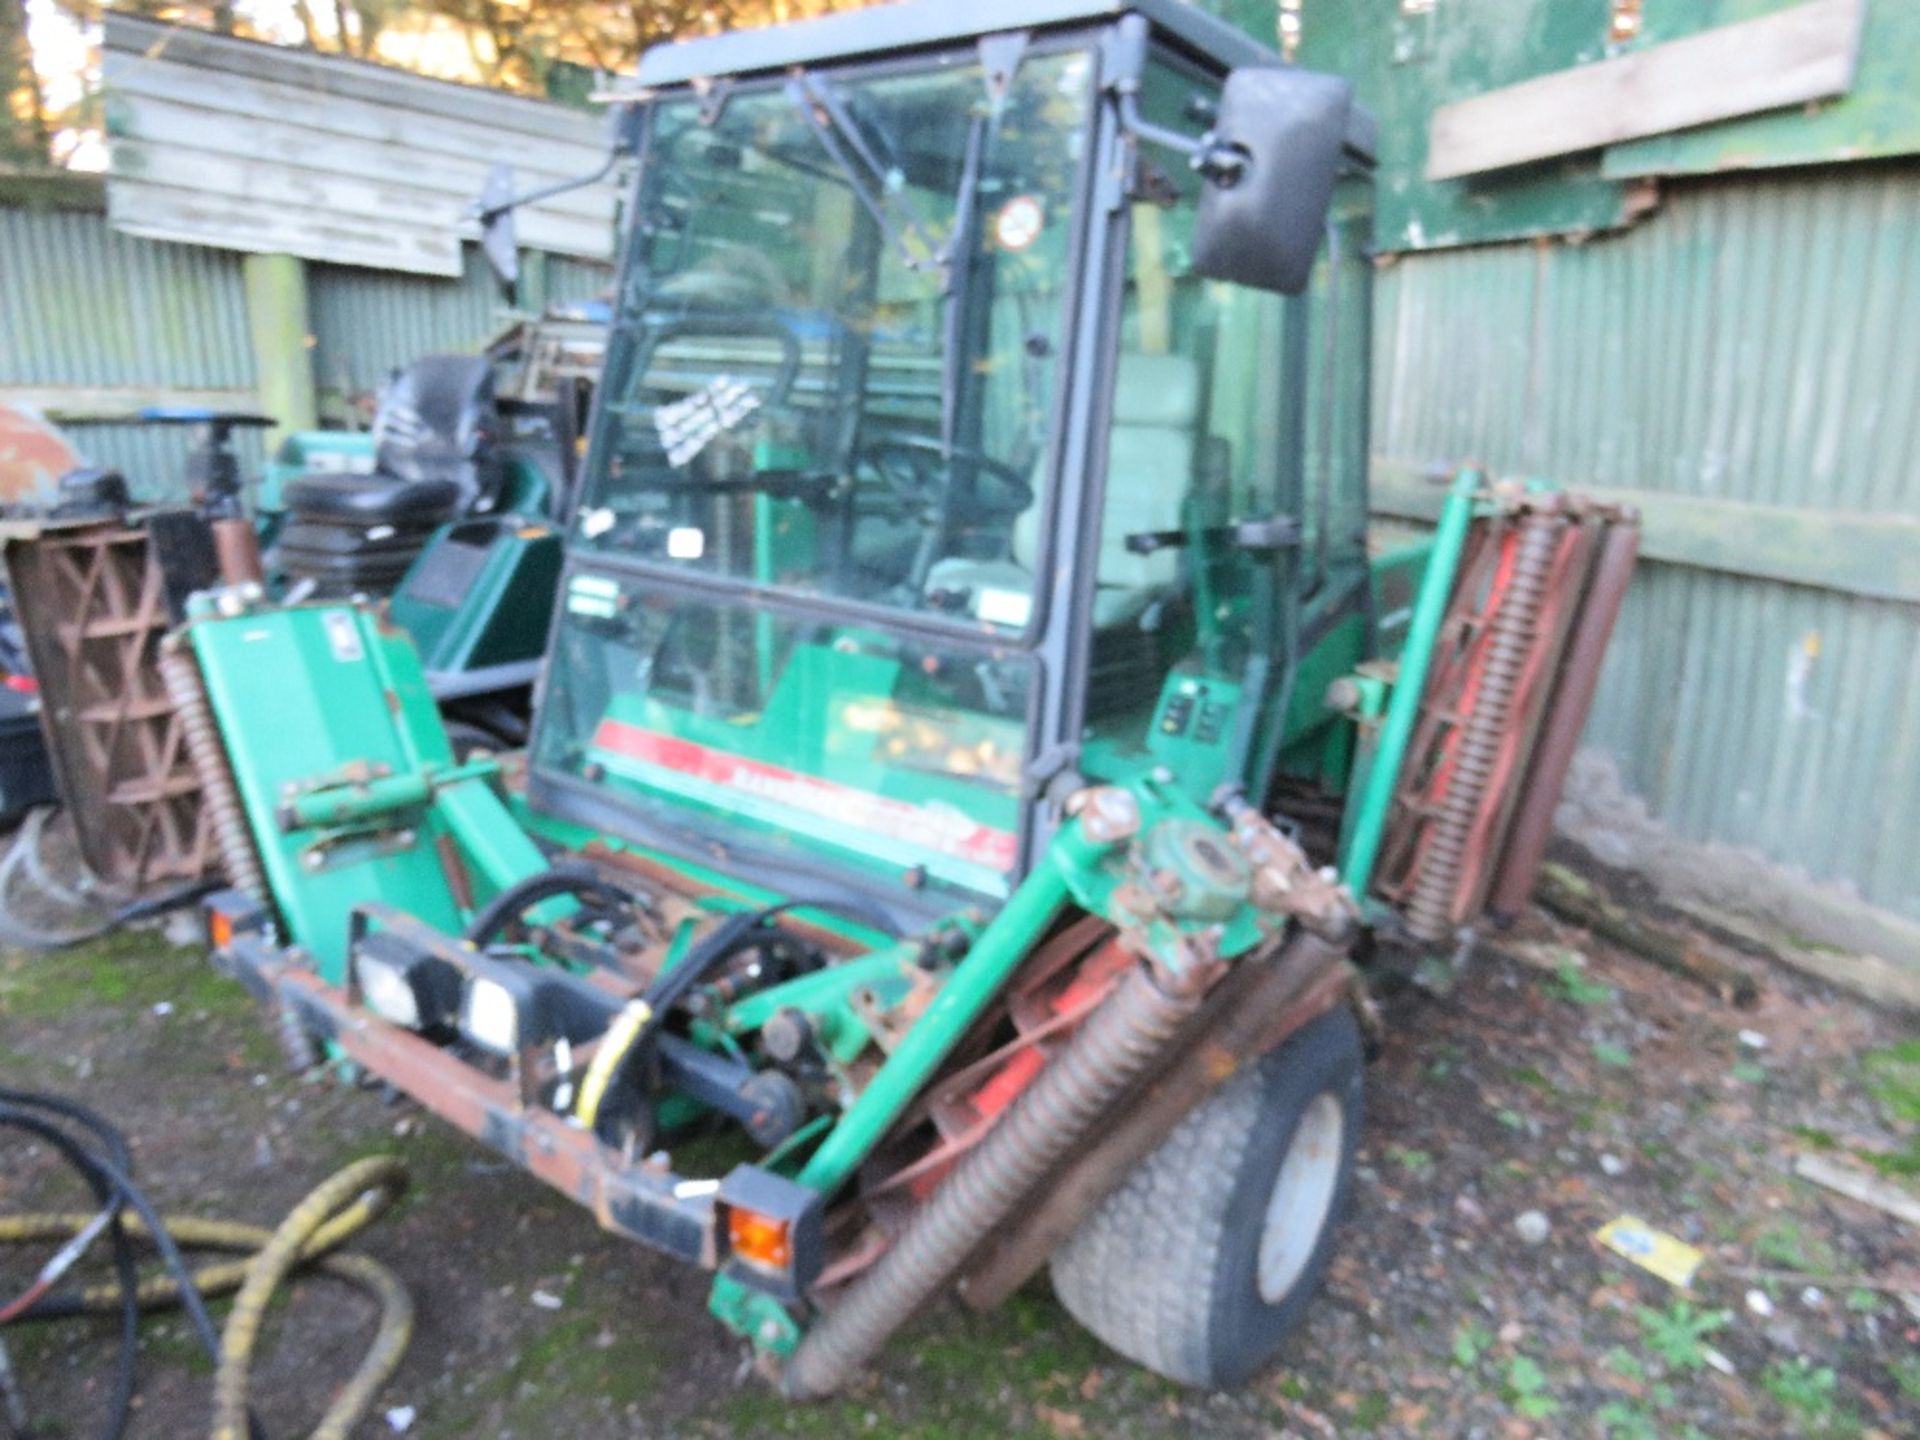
(920, 24)
(894, 29)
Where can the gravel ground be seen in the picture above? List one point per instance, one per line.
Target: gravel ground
(1508, 1120)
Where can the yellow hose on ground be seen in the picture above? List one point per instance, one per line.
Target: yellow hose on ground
(330, 1214)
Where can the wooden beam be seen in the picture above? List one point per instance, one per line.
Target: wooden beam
(1874, 556)
(154, 42)
(276, 287)
(1805, 53)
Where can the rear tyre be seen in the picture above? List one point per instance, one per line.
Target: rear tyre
(1206, 1257)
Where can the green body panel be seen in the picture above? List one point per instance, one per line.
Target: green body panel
(497, 604)
(325, 713)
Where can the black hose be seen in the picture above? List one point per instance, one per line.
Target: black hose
(126, 1270)
(575, 878)
(107, 1169)
(742, 930)
(20, 1118)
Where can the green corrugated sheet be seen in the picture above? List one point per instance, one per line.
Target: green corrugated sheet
(1746, 351)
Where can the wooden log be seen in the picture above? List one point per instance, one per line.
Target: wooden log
(1585, 904)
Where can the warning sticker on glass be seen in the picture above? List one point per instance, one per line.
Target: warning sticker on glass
(1019, 222)
(688, 426)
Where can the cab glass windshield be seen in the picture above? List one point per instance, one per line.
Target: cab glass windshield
(834, 363)
(796, 738)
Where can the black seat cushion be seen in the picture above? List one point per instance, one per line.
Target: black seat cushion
(371, 500)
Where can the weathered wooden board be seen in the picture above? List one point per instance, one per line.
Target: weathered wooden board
(1805, 53)
(1873, 556)
(250, 147)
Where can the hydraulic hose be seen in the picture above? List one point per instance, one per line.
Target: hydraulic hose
(329, 1216)
(1114, 1048)
(575, 878)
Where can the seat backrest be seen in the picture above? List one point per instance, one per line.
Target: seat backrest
(438, 421)
(1150, 471)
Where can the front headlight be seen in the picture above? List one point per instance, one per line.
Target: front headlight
(403, 985)
(490, 1016)
(386, 991)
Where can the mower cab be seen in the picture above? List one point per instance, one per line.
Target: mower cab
(971, 525)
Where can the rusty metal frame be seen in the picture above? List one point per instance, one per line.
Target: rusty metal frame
(90, 599)
(1510, 668)
(639, 1199)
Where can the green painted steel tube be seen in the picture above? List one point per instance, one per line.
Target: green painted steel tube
(975, 981)
(358, 801)
(1403, 707)
(497, 846)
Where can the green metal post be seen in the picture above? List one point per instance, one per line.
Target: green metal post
(1403, 708)
(1007, 941)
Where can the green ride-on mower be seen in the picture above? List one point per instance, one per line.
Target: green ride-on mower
(968, 733)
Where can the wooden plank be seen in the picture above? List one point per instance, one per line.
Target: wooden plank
(1875, 556)
(248, 147)
(1805, 53)
(99, 404)
(294, 192)
(169, 123)
(268, 101)
(139, 40)
(1861, 1185)
(194, 218)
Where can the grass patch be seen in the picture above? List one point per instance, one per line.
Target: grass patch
(1893, 1079)
(1807, 1392)
(129, 969)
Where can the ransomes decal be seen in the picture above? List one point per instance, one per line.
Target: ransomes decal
(937, 829)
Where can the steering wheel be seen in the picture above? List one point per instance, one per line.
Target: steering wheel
(917, 469)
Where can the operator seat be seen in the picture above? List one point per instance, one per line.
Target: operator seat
(1151, 469)
(435, 458)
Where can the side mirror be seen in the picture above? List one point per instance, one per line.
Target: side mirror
(1271, 164)
(499, 240)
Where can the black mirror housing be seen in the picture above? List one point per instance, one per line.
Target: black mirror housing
(1271, 164)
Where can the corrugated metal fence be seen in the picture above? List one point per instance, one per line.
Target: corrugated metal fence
(94, 323)
(1744, 360)
(91, 319)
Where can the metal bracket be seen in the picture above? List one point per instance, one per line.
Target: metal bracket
(1000, 59)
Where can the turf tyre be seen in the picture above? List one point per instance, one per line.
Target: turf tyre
(1167, 1270)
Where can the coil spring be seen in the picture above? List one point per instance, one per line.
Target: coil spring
(1430, 907)
(227, 819)
(1111, 1050)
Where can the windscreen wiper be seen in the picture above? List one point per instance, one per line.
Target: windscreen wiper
(834, 127)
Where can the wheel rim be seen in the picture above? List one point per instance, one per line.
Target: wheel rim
(1302, 1197)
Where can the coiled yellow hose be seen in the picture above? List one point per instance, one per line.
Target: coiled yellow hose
(331, 1213)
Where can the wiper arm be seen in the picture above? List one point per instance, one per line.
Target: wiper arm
(959, 287)
(827, 117)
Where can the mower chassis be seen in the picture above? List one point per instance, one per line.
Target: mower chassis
(1246, 1014)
